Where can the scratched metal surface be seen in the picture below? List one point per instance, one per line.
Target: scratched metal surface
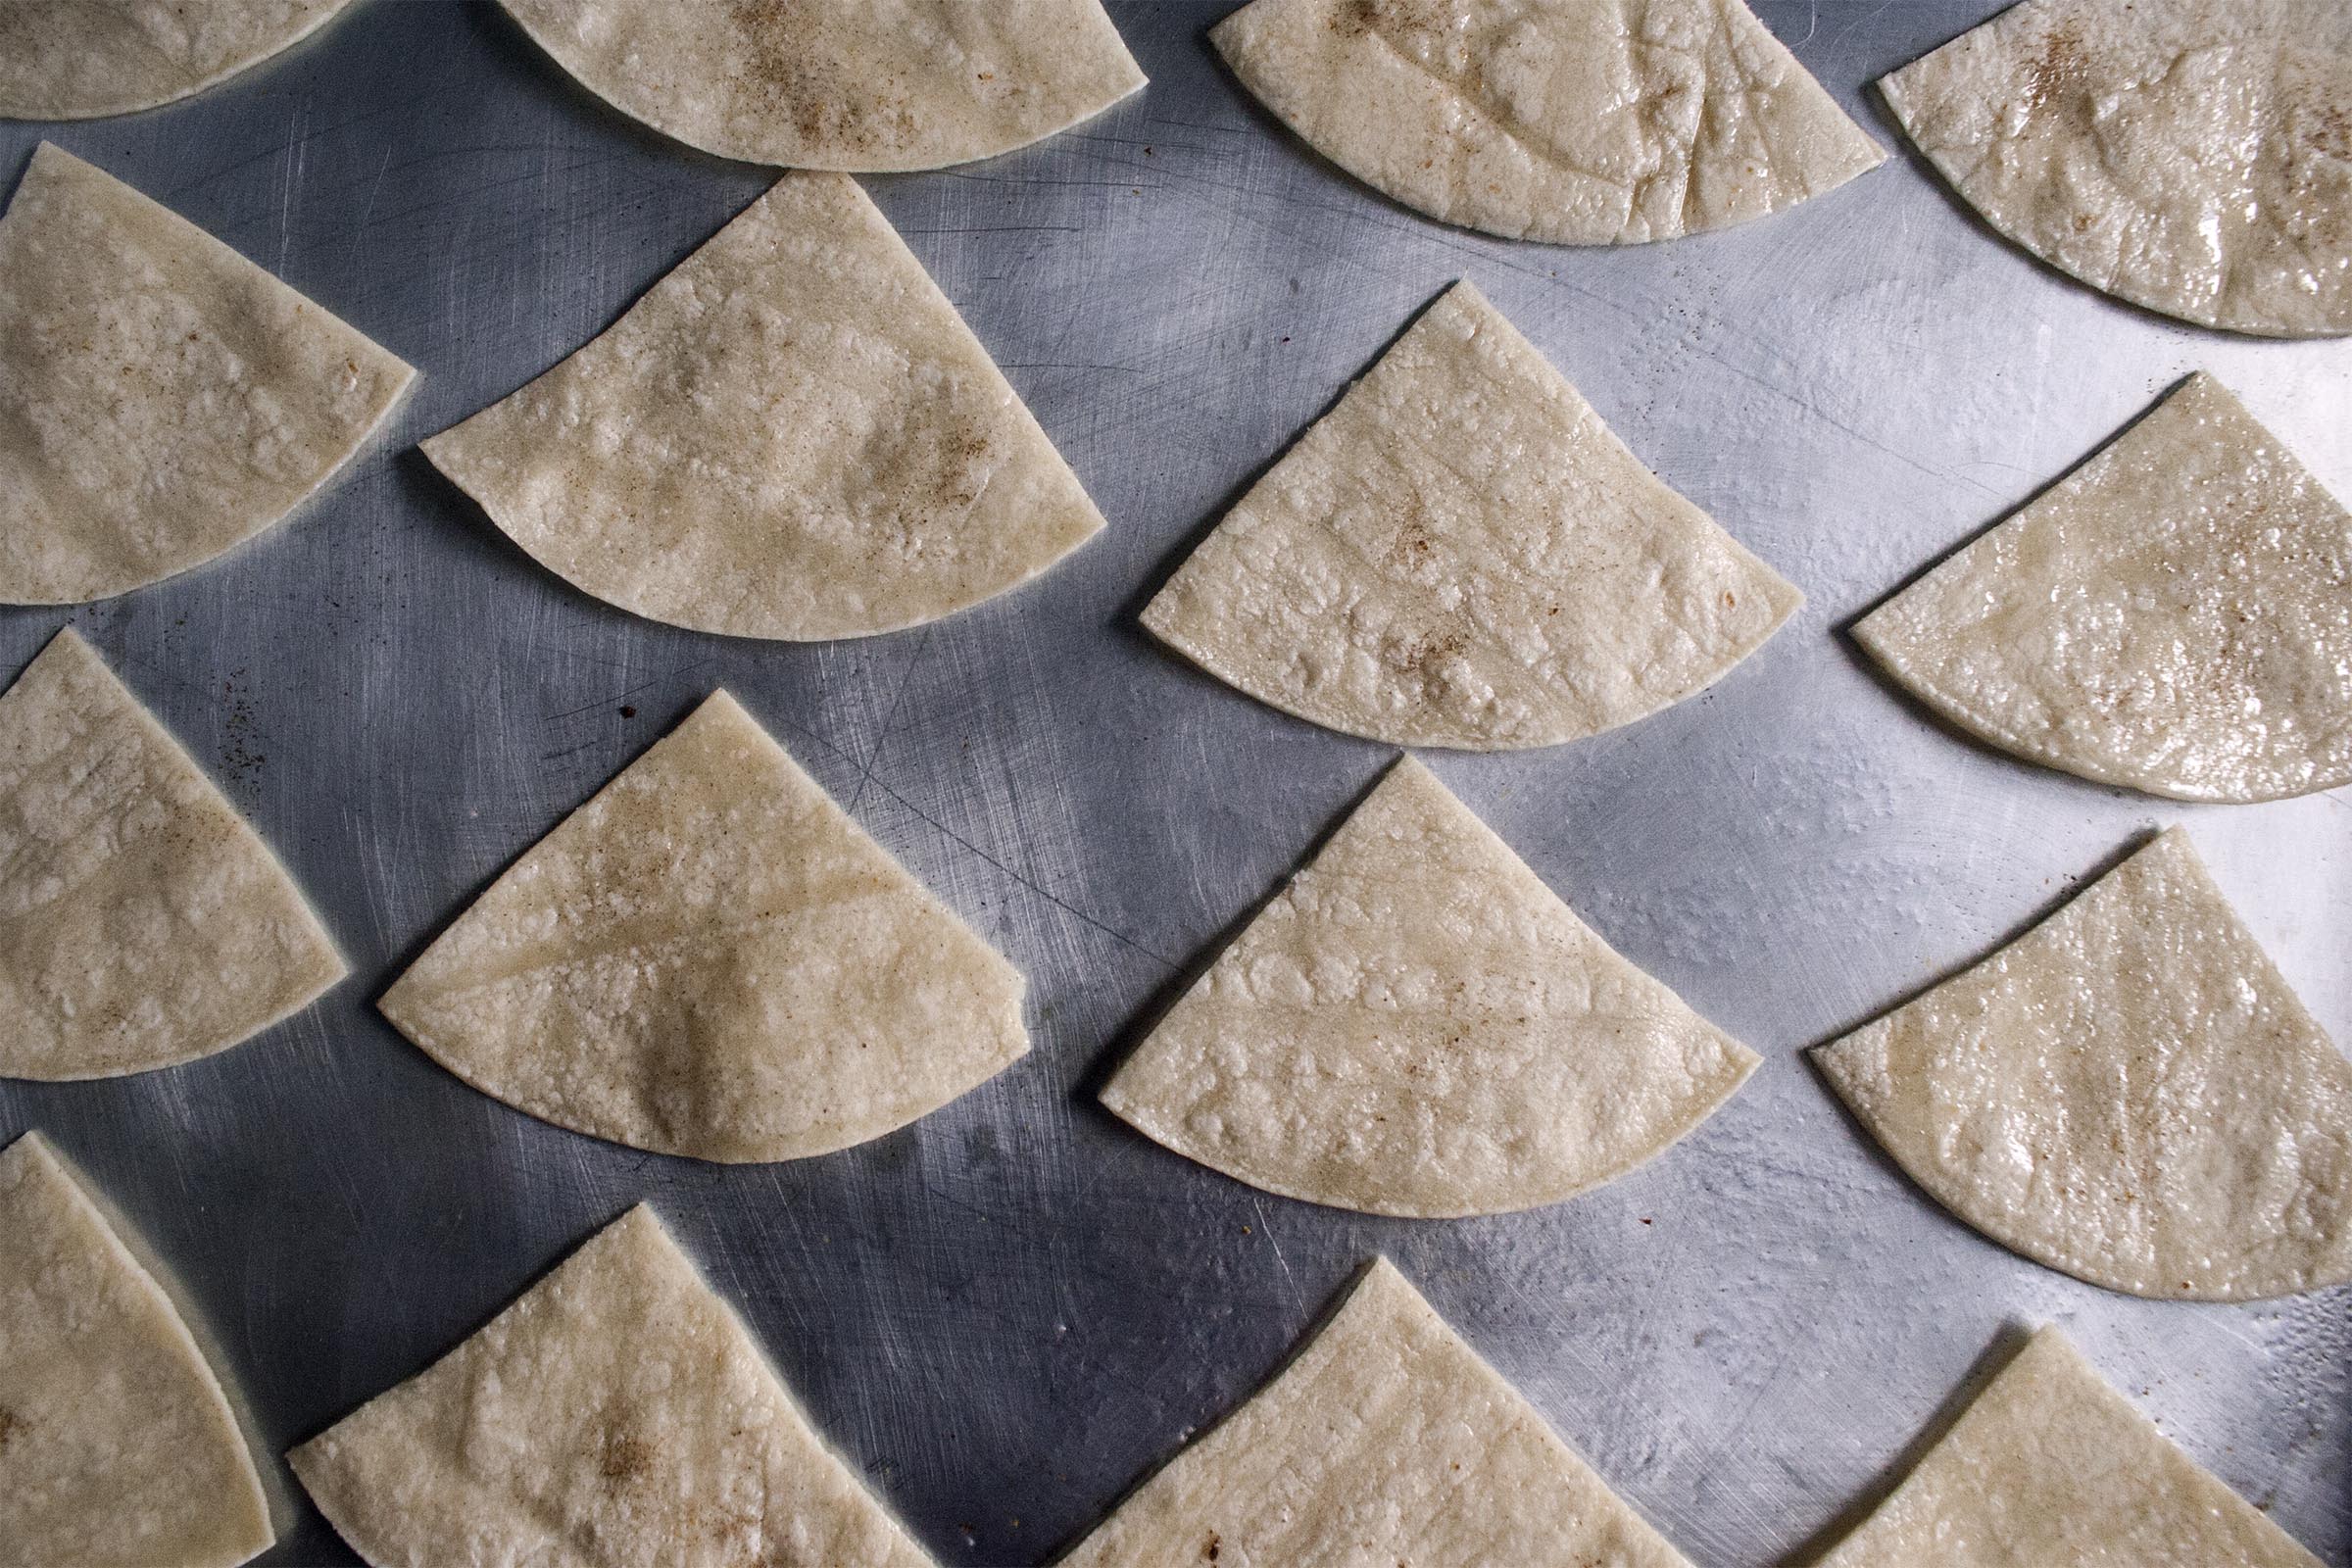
(1009, 1312)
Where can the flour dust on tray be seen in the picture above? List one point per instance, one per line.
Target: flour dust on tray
(1419, 1026)
(80, 59)
(116, 1444)
(864, 87)
(1462, 554)
(616, 1414)
(711, 959)
(2130, 1093)
(1572, 122)
(793, 435)
(142, 922)
(2175, 615)
(162, 399)
(1387, 1441)
(2051, 1467)
(2190, 156)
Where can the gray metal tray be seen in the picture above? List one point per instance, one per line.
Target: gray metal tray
(1009, 1311)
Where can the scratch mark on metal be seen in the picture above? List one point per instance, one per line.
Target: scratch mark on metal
(1298, 1298)
(1113, 932)
(865, 769)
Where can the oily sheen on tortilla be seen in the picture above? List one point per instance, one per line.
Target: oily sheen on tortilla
(1571, 122)
(116, 1444)
(2051, 1469)
(617, 1414)
(2130, 1093)
(142, 922)
(1387, 1441)
(2175, 615)
(80, 59)
(162, 399)
(863, 86)
(1461, 554)
(1419, 1026)
(793, 435)
(711, 959)
(2194, 156)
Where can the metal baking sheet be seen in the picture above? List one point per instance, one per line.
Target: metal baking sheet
(1008, 1312)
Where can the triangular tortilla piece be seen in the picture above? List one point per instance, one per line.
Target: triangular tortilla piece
(142, 922)
(1575, 121)
(2190, 156)
(862, 87)
(793, 435)
(711, 959)
(616, 1413)
(2175, 615)
(116, 1444)
(79, 59)
(1462, 554)
(2051, 1469)
(1419, 1026)
(2130, 1093)
(162, 399)
(1387, 1441)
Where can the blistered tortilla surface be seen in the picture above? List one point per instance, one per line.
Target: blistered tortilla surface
(142, 922)
(858, 85)
(1387, 1441)
(2051, 1469)
(79, 59)
(1462, 554)
(2130, 1093)
(162, 399)
(2175, 615)
(116, 1444)
(710, 958)
(793, 435)
(1419, 1026)
(2190, 156)
(1573, 121)
(616, 1414)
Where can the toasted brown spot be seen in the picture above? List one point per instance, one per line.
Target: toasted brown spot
(2061, 70)
(623, 1457)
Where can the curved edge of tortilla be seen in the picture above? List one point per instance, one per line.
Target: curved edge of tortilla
(1894, 89)
(64, 163)
(1014, 1043)
(765, 1153)
(263, 1510)
(452, 451)
(1879, 633)
(1251, 682)
(1164, 614)
(448, 453)
(106, 108)
(1842, 1070)
(1229, 37)
(1106, 40)
(69, 644)
(1532, 1194)
(1924, 684)
(1116, 1095)
(1845, 1064)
